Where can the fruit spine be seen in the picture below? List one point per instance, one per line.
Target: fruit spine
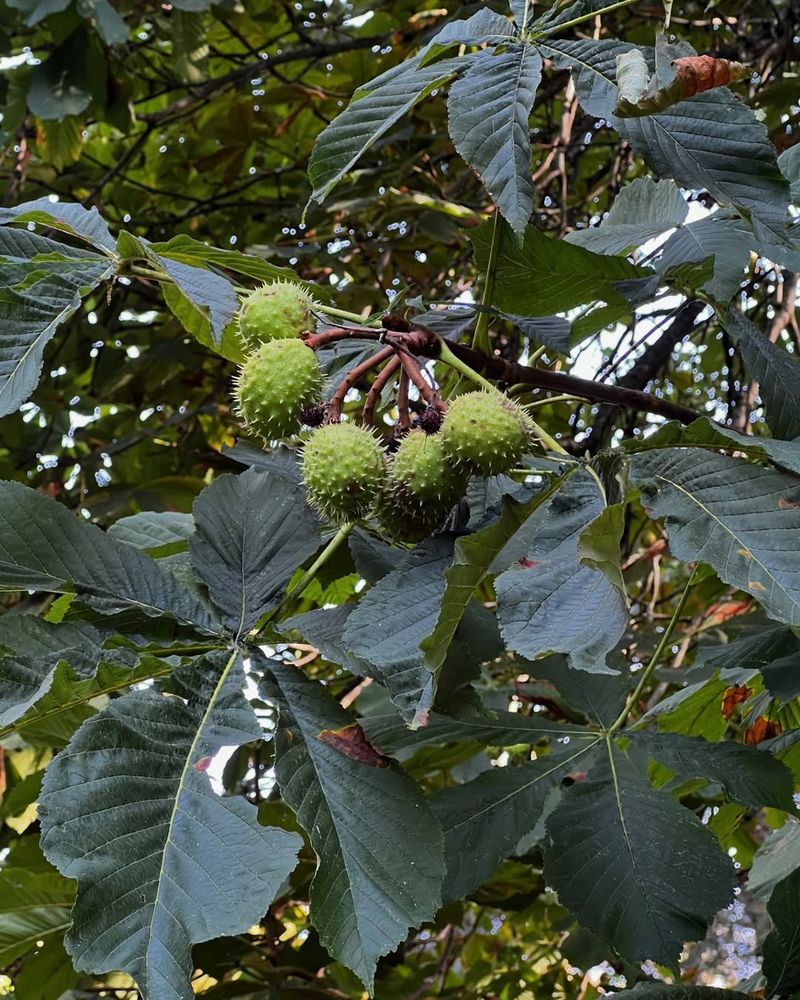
(274, 385)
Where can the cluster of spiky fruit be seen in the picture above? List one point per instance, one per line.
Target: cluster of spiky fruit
(347, 472)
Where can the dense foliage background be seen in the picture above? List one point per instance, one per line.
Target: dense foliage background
(191, 125)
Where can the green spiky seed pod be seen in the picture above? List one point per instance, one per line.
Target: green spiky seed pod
(485, 432)
(424, 472)
(344, 470)
(408, 520)
(279, 310)
(273, 386)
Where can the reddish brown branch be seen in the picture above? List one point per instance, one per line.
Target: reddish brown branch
(413, 370)
(404, 414)
(336, 333)
(377, 387)
(352, 378)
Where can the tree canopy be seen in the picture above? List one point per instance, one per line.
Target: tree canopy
(439, 636)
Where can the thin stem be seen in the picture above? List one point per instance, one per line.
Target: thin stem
(147, 272)
(591, 14)
(565, 398)
(378, 385)
(480, 339)
(657, 656)
(353, 377)
(447, 356)
(341, 314)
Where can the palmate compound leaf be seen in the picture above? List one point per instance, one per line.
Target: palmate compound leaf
(67, 217)
(634, 865)
(36, 296)
(43, 546)
(551, 601)
(253, 531)
(483, 820)
(379, 846)
(161, 860)
(742, 519)
(488, 111)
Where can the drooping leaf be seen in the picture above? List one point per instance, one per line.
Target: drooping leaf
(541, 275)
(782, 945)
(633, 78)
(789, 162)
(158, 533)
(253, 531)
(500, 729)
(484, 27)
(393, 618)
(45, 547)
(753, 777)
(726, 240)
(36, 296)
(600, 697)
(633, 865)
(194, 253)
(777, 373)
(550, 602)
(129, 811)
(714, 141)
(488, 111)
(775, 860)
(484, 819)
(740, 518)
(473, 557)
(599, 544)
(209, 294)
(641, 211)
(67, 217)
(705, 433)
(375, 108)
(34, 906)
(34, 647)
(593, 66)
(379, 846)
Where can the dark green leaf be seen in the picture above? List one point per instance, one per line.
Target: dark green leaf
(473, 557)
(35, 298)
(642, 210)
(552, 603)
(775, 860)
(128, 809)
(159, 533)
(45, 547)
(541, 275)
(714, 141)
(375, 108)
(664, 991)
(68, 217)
(750, 776)
(600, 697)
(726, 240)
(379, 846)
(777, 373)
(253, 531)
(740, 518)
(33, 907)
(488, 112)
(593, 63)
(484, 819)
(705, 433)
(782, 946)
(633, 865)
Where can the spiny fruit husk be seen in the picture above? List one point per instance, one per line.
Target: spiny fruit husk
(410, 521)
(344, 468)
(273, 386)
(485, 432)
(423, 471)
(279, 310)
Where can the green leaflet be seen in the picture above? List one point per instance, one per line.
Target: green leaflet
(633, 865)
(488, 111)
(782, 946)
(253, 531)
(379, 846)
(45, 547)
(149, 840)
(742, 519)
(550, 602)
